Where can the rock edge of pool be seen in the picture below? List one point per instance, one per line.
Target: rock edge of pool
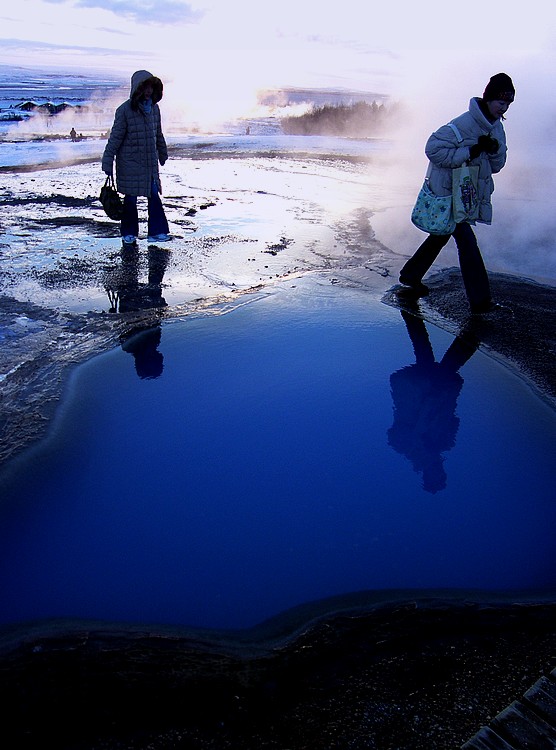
(386, 669)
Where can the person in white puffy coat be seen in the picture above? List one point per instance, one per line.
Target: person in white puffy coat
(138, 145)
(484, 144)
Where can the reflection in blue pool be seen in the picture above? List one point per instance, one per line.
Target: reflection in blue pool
(220, 470)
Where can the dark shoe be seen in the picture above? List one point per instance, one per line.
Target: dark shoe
(416, 286)
(159, 237)
(483, 308)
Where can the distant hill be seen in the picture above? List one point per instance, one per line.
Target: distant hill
(285, 97)
(359, 120)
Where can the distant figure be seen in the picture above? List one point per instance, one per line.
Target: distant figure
(484, 144)
(425, 396)
(73, 134)
(247, 130)
(137, 143)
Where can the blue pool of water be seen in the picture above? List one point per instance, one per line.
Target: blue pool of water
(219, 470)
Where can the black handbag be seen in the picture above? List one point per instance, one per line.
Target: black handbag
(111, 201)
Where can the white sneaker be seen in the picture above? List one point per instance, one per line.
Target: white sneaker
(129, 239)
(159, 238)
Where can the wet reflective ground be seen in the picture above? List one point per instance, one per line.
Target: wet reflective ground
(240, 214)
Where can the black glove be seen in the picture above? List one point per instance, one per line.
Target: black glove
(491, 144)
(485, 143)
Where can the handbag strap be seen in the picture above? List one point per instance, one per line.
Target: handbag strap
(456, 131)
(459, 137)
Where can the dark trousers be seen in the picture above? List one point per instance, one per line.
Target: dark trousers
(157, 223)
(473, 271)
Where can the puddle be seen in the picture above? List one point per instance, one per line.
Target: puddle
(217, 471)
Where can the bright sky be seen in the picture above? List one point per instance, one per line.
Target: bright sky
(226, 49)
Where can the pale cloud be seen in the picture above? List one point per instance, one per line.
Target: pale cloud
(395, 48)
(106, 30)
(142, 11)
(357, 45)
(30, 46)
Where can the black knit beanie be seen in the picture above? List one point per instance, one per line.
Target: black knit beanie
(499, 88)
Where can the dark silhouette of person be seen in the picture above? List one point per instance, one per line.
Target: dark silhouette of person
(127, 294)
(478, 137)
(425, 396)
(143, 344)
(137, 146)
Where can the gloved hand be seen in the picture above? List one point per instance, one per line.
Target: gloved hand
(491, 144)
(486, 144)
(109, 173)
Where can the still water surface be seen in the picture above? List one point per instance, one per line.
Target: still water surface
(219, 470)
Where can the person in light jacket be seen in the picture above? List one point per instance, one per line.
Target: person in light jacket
(483, 144)
(137, 143)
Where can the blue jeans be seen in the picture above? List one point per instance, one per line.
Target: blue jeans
(473, 271)
(157, 223)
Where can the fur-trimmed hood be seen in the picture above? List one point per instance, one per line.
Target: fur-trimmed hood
(138, 81)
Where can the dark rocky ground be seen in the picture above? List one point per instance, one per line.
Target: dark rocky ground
(414, 674)
(521, 333)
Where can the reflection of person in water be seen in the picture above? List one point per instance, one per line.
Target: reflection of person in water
(425, 396)
(122, 285)
(143, 345)
(127, 294)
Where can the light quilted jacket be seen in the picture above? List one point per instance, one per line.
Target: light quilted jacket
(136, 140)
(446, 153)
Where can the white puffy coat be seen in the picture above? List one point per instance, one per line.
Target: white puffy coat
(446, 153)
